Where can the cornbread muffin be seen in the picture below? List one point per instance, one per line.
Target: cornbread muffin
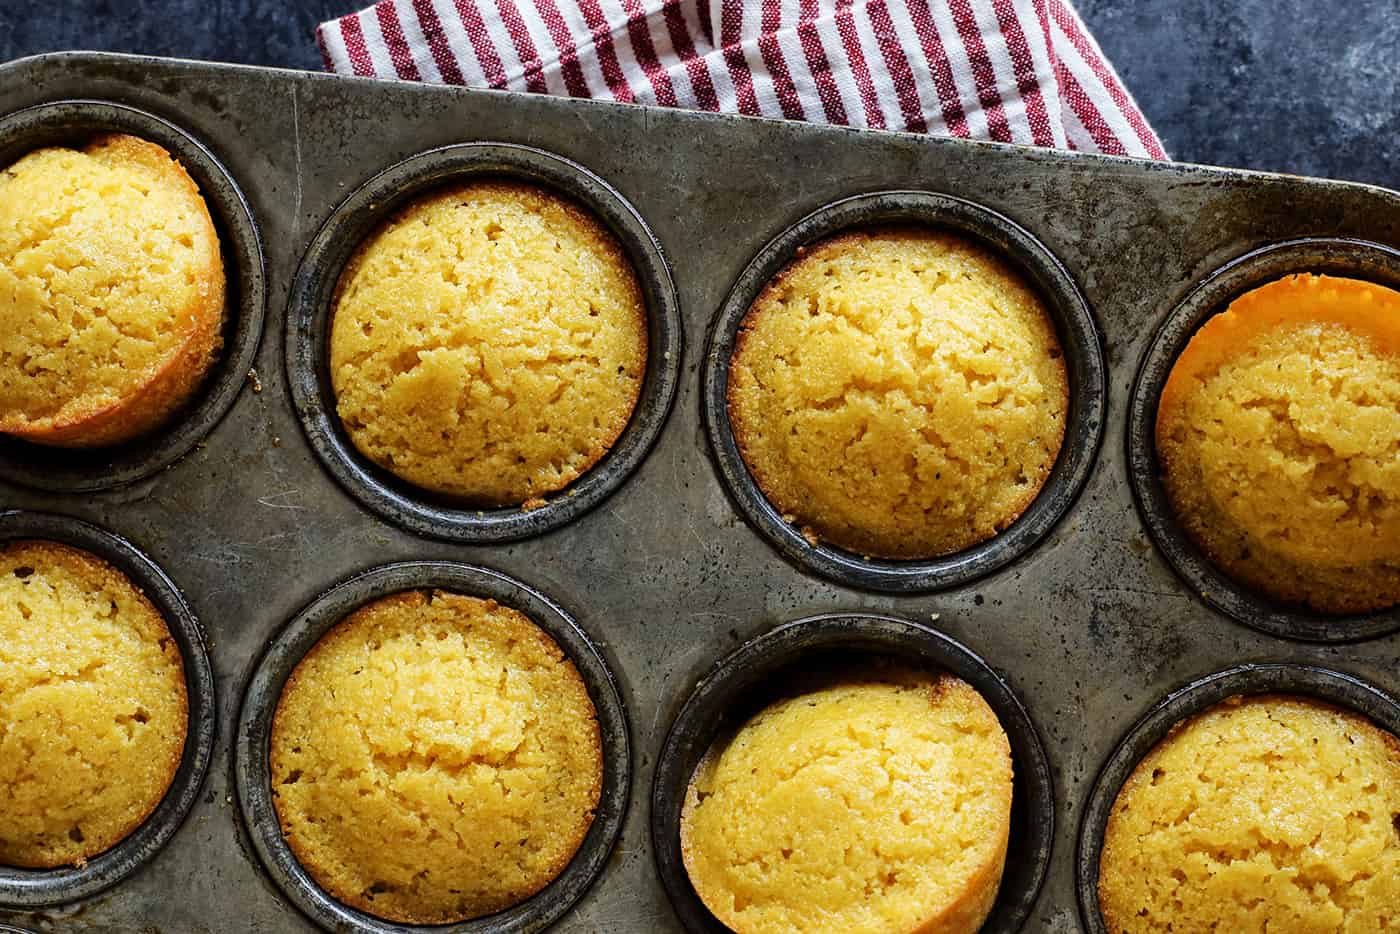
(434, 758)
(1278, 433)
(1272, 813)
(881, 803)
(93, 710)
(488, 343)
(898, 392)
(111, 292)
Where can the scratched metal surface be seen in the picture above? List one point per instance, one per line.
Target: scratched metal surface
(1090, 628)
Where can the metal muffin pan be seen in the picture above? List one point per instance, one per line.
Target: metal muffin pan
(251, 749)
(39, 888)
(74, 122)
(1089, 629)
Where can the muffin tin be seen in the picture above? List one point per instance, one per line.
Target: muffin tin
(1075, 623)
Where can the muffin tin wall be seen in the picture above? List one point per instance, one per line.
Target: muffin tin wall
(1089, 629)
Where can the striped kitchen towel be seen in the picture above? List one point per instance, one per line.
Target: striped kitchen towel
(1021, 71)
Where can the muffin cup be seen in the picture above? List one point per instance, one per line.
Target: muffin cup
(748, 670)
(40, 888)
(1084, 365)
(79, 470)
(309, 316)
(1335, 687)
(1353, 258)
(252, 773)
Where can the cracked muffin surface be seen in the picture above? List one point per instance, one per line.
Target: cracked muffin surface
(1278, 433)
(93, 709)
(435, 757)
(899, 392)
(1272, 813)
(875, 801)
(111, 292)
(488, 343)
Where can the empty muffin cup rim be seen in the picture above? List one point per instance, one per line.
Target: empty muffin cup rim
(701, 717)
(287, 647)
(28, 889)
(1081, 350)
(1348, 691)
(310, 310)
(83, 470)
(1339, 256)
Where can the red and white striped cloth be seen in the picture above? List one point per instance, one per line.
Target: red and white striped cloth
(1022, 71)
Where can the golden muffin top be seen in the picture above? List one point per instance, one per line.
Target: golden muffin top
(488, 343)
(93, 709)
(899, 392)
(877, 804)
(110, 277)
(1279, 438)
(1270, 813)
(435, 757)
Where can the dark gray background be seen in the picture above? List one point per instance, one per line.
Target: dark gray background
(1284, 85)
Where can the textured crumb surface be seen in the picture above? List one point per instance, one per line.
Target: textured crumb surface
(1279, 438)
(1276, 814)
(489, 343)
(111, 292)
(877, 804)
(898, 392)
(435, 757)
(93, 710)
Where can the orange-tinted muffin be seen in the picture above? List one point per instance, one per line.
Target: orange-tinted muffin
(1278, 433)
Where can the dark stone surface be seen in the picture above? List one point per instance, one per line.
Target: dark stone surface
(1283, 85)
(250, 32)
(1286, 85)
